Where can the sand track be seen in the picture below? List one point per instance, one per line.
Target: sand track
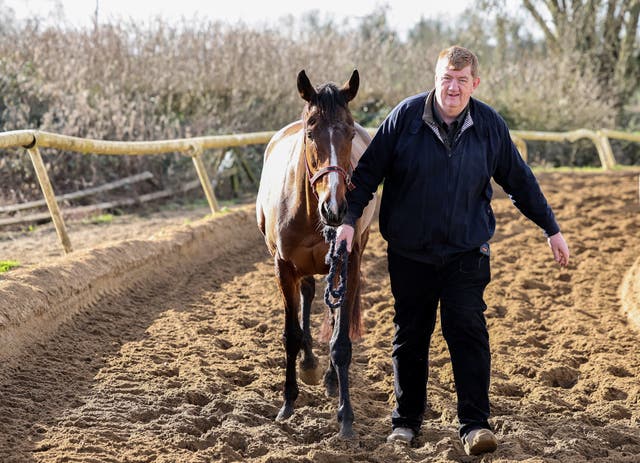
(186, 365)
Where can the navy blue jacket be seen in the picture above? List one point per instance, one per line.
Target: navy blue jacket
(436, 199)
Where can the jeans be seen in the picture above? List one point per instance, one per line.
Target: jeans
(458, 285)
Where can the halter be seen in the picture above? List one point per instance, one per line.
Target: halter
(313, 178)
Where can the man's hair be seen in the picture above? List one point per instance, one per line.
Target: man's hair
(459, 58)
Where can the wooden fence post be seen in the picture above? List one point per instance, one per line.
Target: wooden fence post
(50, 198)
(606, 149)
(195, 152)
(521, 145)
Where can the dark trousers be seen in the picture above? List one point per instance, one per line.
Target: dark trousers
(458, 285)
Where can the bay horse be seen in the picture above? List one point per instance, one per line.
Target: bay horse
(305, 176)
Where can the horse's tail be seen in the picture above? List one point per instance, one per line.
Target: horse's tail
(326, 329)
(356, 330)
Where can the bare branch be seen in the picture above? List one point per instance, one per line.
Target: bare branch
(552, 39)
(554, 7)
(625, 59)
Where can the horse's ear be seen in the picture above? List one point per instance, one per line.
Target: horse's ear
(350, 88)
(307, 92)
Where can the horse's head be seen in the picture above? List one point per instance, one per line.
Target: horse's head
(328, 131)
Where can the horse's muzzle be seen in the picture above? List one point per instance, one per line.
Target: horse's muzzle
(330, 217)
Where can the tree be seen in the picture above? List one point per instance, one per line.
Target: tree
(604, 33)
(428, 31)
(375, 25)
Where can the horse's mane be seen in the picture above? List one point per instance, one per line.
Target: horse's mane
(329, 100)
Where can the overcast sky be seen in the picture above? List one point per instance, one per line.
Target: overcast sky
(402, 14)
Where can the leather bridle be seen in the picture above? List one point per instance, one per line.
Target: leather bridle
(313, 178)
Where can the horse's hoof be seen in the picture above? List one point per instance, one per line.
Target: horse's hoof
(285, 412)
(346, 432)
(311, 376)
(331, 390)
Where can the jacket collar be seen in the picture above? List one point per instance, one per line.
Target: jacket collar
(431, 120)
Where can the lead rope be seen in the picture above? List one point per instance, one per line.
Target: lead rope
(334, 297)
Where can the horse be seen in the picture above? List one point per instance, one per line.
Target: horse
(306, 172)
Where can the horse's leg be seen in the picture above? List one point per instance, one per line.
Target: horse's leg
(330, 380)
(289, 284)
(341, 347)
(309, 370)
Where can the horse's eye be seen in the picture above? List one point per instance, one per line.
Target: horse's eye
(310, 134)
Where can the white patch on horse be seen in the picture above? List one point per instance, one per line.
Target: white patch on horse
(334, 177)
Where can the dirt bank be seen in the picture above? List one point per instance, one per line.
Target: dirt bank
(630, 294)
(188, 367)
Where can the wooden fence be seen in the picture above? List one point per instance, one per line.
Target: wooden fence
(32, 140)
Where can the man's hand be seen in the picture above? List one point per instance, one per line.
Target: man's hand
(345, 233)
(559, 248)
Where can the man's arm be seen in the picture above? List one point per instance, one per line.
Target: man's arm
(515, 176)
(369, 173)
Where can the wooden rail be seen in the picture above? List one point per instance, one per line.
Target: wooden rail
(79, 194)
(32, 140)
(598, 138)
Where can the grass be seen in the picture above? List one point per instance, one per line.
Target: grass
(6, 265)
(99, 219)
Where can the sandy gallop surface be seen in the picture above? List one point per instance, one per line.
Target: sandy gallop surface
(190, 368)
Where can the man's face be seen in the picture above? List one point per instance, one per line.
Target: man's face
(453, 89)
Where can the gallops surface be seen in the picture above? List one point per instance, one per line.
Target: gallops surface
(191, 370)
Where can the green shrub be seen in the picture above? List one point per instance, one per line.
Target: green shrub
(6, 265)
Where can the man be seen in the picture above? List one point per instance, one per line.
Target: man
(437, 153)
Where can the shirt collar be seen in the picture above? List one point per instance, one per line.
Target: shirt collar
(430, 114)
